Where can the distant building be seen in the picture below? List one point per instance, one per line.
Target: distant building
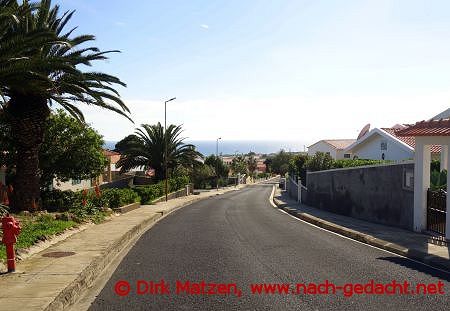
(334, 147)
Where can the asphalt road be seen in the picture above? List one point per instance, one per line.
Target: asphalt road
(240, 238)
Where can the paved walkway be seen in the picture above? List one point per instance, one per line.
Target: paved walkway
(407, 243)
(52, 283)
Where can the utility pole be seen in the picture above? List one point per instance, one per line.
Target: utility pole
(165, 144)
(217, 163)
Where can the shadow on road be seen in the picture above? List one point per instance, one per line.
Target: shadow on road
(407, 263)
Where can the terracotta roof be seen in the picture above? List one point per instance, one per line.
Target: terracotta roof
(428, 128)
(409, 140)
(109, 153)
(340, 143)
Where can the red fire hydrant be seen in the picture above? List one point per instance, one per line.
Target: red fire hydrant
(11, 229)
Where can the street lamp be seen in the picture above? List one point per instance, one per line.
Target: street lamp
(217, 162)
(165, 143)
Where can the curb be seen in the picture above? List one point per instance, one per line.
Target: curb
(432, 260)
(70, 294)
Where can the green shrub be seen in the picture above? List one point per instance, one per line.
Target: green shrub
(150, 192)
(58, 201)
(120, 197)
(438, 180)
(357, 162)
(319, 162)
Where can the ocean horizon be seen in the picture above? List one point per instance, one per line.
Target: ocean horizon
(230, 147)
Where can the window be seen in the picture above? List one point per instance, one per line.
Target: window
(347, 155)
(384, 145)
(76, 182)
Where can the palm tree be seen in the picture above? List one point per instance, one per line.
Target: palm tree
(146, 148)
(35, 76)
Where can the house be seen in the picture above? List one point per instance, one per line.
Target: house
(111, 171)
(110, 174)
(386, 144)
(334, 147)
(261, 166)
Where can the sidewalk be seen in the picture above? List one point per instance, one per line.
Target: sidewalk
(55, 277)
(410, 244)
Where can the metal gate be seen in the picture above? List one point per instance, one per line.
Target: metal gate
(436, 211)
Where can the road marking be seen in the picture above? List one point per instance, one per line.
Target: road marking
(345, 237)
(271, 197)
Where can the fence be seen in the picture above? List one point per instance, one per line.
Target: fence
(296, 190)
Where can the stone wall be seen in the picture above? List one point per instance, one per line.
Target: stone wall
(377, 193)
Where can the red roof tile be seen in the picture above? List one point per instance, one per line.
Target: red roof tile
(428, 128)
(108, 153)
(409, 140)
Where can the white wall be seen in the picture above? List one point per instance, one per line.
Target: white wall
(371, 149)
(322, 147)
(67, 185)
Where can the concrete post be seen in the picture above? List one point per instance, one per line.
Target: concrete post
(444, 157)
(447, 216)
(422, 159)
(299, 190)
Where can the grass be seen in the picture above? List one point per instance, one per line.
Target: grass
(37, 228)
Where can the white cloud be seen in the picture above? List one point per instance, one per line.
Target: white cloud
(204, 26)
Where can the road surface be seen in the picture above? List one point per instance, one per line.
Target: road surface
(239, 238)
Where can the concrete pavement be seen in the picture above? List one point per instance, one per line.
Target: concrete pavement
(410, 244)
(53, 278)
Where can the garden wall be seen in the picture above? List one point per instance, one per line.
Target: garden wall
(378, 193)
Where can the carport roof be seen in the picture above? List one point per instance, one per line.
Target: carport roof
(427, 128)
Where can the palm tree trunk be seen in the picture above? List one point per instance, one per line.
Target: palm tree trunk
(27, 115)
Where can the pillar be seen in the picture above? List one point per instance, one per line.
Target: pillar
(422, 160)
(447, 217)
(444, 157)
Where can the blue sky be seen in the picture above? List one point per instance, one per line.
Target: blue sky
(288, 70)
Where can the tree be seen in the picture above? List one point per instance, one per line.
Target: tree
(70, 150)
(34, 76)
(239, 165)
(280, 162)
(220, 168)
(268, 163)
(146, 149)
(297, 166)
(251, 165)
(319, 162)
(202, 176)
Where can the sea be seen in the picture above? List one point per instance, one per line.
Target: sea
(231, 147)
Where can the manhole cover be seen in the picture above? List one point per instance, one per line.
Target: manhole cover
(58, 254)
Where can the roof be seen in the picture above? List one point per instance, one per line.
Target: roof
(409, 140)
(110, 153)
(443, 115)
(338, 144)
(428, 128)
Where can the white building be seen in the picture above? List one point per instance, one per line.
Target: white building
(334, 147)
(385, 144)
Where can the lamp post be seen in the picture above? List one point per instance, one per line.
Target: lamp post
(217, 163)
(165, 143)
